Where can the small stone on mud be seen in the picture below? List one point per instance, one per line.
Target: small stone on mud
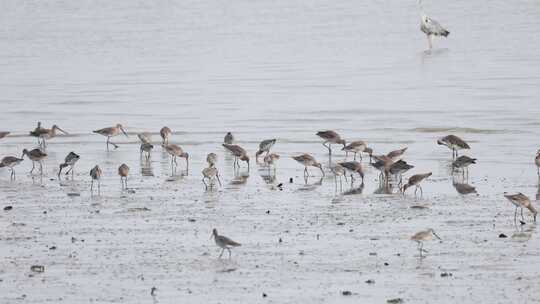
(370, 281)
(37, 268)
(446, 274)
(264, 295)
(346, 293)
(291, 180)
(372, 253)
(395, 301)
(192, 220)
(386, 264)
(7, 208)
(52, 248)
(502, 236)
(267, 211)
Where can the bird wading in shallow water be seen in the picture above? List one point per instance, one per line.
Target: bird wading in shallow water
(224, 242)
(430, 27)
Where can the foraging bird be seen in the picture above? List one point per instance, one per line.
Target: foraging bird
(209, 174)
(271, 159)
(398, 168)
(340, 171)
(4, 134)
(10, 162)
(521, 201)
(383, 164)
(145, 137)
(211, 159)
(396, 154)
(537, 162)
(369, 152)
(353, 167)
(463, 162)
(95, 173)
(123, 171)
(308, 161)
(35, 155)
(111, 132)
(224, 242)
(430, 27)
(355, 147)
(330, 137)
(146, 148)
(453, 143)
(264, 146)
(415, 180)
(176, 151)
(165, 133)
(43, 134)
(422, 236)
(228, 139)
(70, 161)
(239, 154)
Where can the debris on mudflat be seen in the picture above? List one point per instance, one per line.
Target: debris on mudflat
(153, 291)
(37, 268)
(395, 301)
(290, 180)
(192, 220)
(446, 274)
(7, 208)
(346, 293)
(502, 236)
(370, 281)
(264, 295)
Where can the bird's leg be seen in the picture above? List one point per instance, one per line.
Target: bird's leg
(204, 182)
(415, 190)
(354, 156)
(33, 167)
(306, 173)
(222, 250)
(40, 168)
(522, 218)
(108, 140)
(99, 187)
(219, 181)
(70, 168)
(12, 174)
(421, 191)
(229, 252)
(430, 43)
(515, 216)
(92, 187)
(126, 182)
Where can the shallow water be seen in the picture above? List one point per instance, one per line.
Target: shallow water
(280, 69)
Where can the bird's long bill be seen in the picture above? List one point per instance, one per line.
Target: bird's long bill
(124, 131)
(59, 129)
(436, 235)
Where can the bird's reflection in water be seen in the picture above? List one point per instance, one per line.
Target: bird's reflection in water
(354, 191)
(146, 167)
(464, 188)
(240, 178)
(384, 188)
(309, 187)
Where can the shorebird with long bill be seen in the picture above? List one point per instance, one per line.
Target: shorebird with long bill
(331, 137)
(111, 132)
(10, 162)
(430, 27)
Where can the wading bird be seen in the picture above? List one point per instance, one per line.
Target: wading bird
(165, 133)
(210, 174)
(111, 132)
(415, 180)
(521, 201)
(239, 154)
(396, 154)
(123, 171)
(453, 143)
(308, 161)
(211, 159)
(430, 27)
(95, 174)
(422, 236)
(537, 162)
(270, 160)
(330, 137)
(355, 147)
(43, 134)
(264, 146)
(224, 242)
(353, 167)
(228, 139)
(35, 155)
(70, 161)
(147, 149)
(176, 151)
(10, 162)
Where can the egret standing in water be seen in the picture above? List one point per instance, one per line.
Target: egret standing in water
(430, 27)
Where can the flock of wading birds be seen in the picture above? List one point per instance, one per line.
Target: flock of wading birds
(390, 165)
